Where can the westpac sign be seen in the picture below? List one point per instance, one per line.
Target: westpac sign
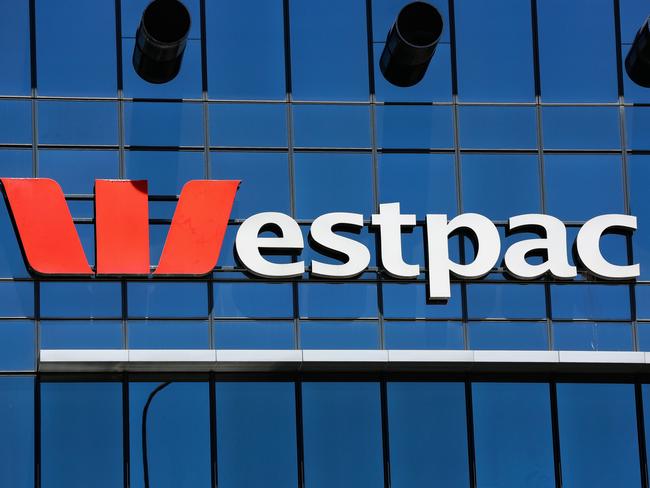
(52, 246)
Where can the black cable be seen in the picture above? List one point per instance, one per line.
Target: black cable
(145, 461)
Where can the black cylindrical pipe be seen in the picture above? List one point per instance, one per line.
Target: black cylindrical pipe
(160, 41)
(637, 61)
(411, 43)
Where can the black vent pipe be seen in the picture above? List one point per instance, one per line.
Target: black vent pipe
(160, 41)
(411, 43)
(637, 61)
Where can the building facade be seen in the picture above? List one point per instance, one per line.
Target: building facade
(238, 381)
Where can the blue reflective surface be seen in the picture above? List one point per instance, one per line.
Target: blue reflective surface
(512, 435)
(17, 431)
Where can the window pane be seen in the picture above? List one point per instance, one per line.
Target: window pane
(579, 187)
(506, 301)
(91, 299)
(243, 66)
(178, 434)
(409, 300)
(68, 63)
(485, 127)
(428, 435)
(339, 335)
(598, 437)
(482, 176)
(592, 336)
(264, 181)
(329, 53)
(508, 336)
(17, 432)
(639, 179)
(81, 334)
(577, 58)
(248, 124)
(253, 300)
(333, 183)
(495, 58)
(342, 435)
(423, 335)
(81, 435)
(421, 183)
(17, 346)
(428, 126)
(590, 302)
(85, 122)
(75, 170)
(254, 335)
(151, 334)
(581, 128)
(165, 171)
(16, 299)
(345, 300)
(168, 299)
(256, 434)
(331, 125)
(512, 435)
(15, 122)
(163, 124)
(15, 56)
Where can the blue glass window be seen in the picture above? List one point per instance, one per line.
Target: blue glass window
(577, 58)
(423, 335)
(242, 334)
(581, 128)
(333, 182)
(77, 170)
(339, 335)
(329, 53)
(421, 183)
(485, 127)
(17, 346)
(639, 179)
(15, 162)
(256, 434)
(163, 124)
(187, 83)
(253, 300)
(345, 300)
(264, 181)
(598, 436)
(16, 299)
(15, 58)
(17, 432)
(482, 179)
(168, 334)
(592, 336)
(165, 171)
(81, 435)
(85, 122)
(505, 336)
(428, 434)
(178, 434)
(495, 58)
(81, 334)
(245, 52)
(637, 125)
(436, 84)
(12, 263)
(182, 300)
(342, 435)
(512, 435)
(248, 124)
(590, 302)
(633, 13)
(92, 299)
(409, 300)
(68, 62)
(414, 126)
(512, 301)
(331, 125)
(575, 183)
(15, 122)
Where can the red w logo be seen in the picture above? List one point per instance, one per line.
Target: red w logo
(52, 246)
